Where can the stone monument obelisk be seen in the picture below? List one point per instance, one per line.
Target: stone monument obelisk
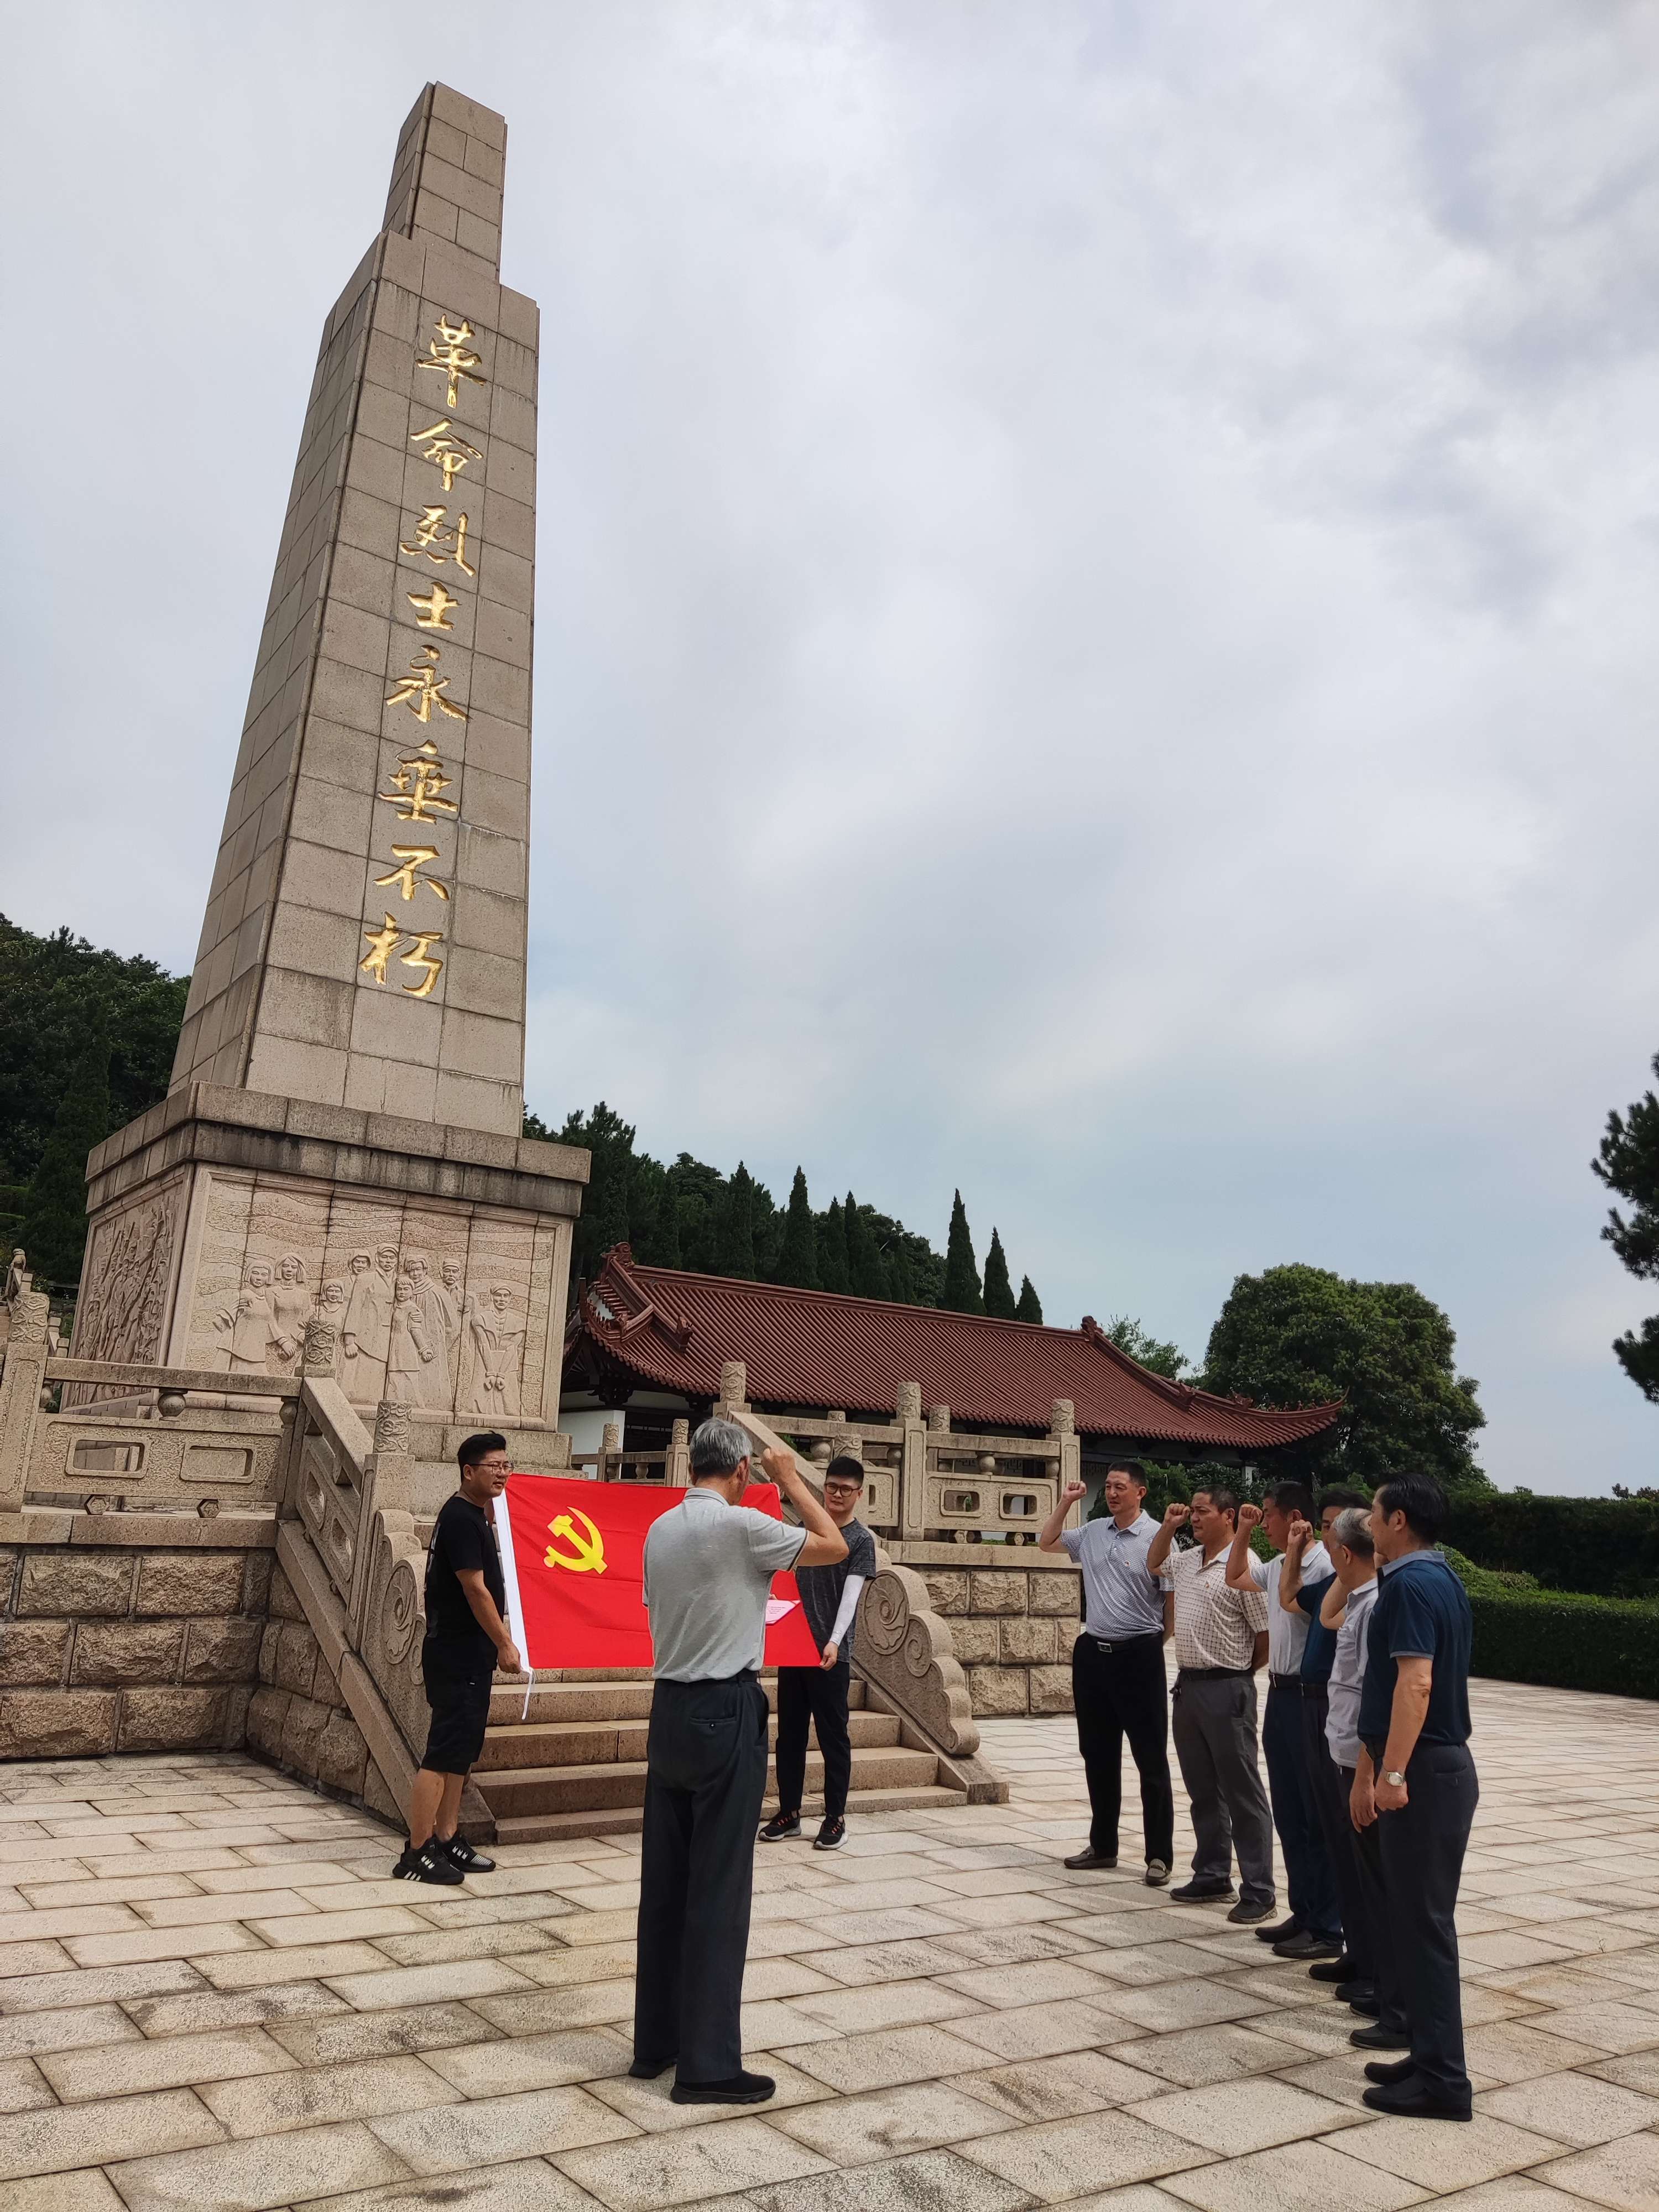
(342, 1138)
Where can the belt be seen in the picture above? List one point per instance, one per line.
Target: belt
(1316, 1690)
(1122, 1642)
(1211, 1673)
(1284, 1681)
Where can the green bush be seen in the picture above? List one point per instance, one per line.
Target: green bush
(1608, 1546)
(1566, 1640)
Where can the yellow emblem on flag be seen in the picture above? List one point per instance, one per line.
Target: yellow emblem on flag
(589, 1550)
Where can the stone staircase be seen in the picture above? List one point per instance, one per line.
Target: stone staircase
(576, 1764)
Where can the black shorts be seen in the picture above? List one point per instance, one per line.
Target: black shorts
(458, 1690)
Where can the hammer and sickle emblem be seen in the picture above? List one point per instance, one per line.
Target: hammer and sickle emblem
(588, 1550)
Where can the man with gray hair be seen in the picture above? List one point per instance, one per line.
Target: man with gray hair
(708, 1570)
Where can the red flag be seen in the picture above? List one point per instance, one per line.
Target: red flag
(573, 1555)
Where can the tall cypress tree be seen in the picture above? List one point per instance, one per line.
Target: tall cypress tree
(1031, 1305)
(962, 1293)
(737, 1237)
(866, 1274)
(55, 1199)
(798, 1262)
(998, 1291)
(832, 1250)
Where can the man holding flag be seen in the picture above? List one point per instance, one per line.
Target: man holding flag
(708, 1570)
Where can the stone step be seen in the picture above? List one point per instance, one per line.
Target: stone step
(591, 1742)
(626, 1820)
(514, 1792)
(597, 1697)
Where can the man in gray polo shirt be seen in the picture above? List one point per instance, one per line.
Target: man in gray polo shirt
(1118, 1683)
(708, 1570)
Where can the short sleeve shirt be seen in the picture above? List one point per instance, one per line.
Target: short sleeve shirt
(1120, 1599)
(1348, 1676)
(708, 1570)
(1320, 1650)
(462, 1540)
(1288, 1625)
(821, 1588)
(1214, 1626)
(1422, 1612)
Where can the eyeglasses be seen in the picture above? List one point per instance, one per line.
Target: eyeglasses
(840, 1490)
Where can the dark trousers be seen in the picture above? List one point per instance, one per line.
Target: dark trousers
(1308, 1882)
(706, 1775)
(1330, 1797)
(1422, 1849)
(1214, 1720)
(1124, 1692)
(817, 1694)
(1385, 1960)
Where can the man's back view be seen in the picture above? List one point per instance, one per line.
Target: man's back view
(708, 1570)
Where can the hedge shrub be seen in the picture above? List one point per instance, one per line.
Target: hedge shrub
(1567, 1640)
(1609, 1546)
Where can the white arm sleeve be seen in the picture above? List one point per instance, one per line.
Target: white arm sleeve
(849, 1606)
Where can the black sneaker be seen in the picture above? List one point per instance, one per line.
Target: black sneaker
(1378, 2038)
(1200, 1892)
(830, 1837)
(1247, 1913)
(1386, 2071)
(1341, 1970)
(1307, 1946)
(780, 1827)
(736, 2089)
(1281, 1930)
(460, 1853)
(428, 1864)
(648, 2069)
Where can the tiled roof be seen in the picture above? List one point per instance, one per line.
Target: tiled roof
(669, 1329)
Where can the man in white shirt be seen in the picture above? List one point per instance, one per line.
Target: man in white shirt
(1314, 1929)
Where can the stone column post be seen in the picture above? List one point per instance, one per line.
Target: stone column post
(912, 1465)
(388, 1487)
(27, 1348)
(1063, 1430)
(734, 1389)
(678, 1472)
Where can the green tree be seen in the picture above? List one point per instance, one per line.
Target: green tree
(962, 1293)
(866, 1275)
(54, 1203)
(1031, 1305)
(998, 1291)
(797, 1261)
(737, 1227)
(1628, 1162)
(604, 1220)
(1302, 1336)
(1127, 1332)
(834, 1273)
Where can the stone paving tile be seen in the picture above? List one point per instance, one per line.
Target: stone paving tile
(1230, 2117)
(127, 2070)
(1623, 2173)
(649, 2107)
(1572, 2108)
(257, 2176)
(536, 2122)
(531, 2062)
(932, 2181)
(196, 2011)
(1195, 2057)
(885, 2059)
(409, 1985)
(891, 2123)
(1063, 2157)
(653, 2171)
(1294, 2177)
(22, 2086)
(1039, 2031)
(1056, 2088)
(1438, 2157)
(311, 2097)
(252, 1970)
(528, 2184)
(59, 2139)
(46, 1992)
(87, 2191)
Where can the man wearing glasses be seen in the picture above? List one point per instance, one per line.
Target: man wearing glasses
(829, 1598)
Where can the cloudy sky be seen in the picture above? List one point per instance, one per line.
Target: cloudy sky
(1097, 569)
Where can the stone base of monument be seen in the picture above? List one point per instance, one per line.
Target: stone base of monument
(224, 1221)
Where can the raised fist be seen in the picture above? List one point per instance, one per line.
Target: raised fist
(1072, 1491)
(1250, 1517)
(1174, 1515)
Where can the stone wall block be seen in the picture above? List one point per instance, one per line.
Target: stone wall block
(257, 1569)
(173, 1719)
(296, 1659)
(267, 1711)
(302, 1730)
(188, 1582)
(999, 1691)
(223, 1651)
(76, 1582)
(1057, 1593)
(342, 1755)
(270, 1643)
(110, 1654)
(974, 1642)
(1050, 1689)
(8, 1578)
(58, 1723)
(34, 1652)
(995, 1592)
(949, 1593)
(1025, 1642)
(282, 1604)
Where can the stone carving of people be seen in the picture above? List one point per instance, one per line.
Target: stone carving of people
(496, 1335)
(331, 1308)
(454, 1303)
(367, 1322)
(251, 1323)
(410, 1349)
(290, 1306)
(437, 1387)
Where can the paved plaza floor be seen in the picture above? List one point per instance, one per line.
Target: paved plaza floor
(212, 1997)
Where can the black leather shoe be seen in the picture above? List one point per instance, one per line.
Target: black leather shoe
(1247, 1913)
(1365, 2002)
(460, 1853)
(1090, 1860)
(1339, 1970)
(1200, 1892)
(1281, 1931)
(1410, 2101)
(1389, 2069)
(1307, 1945)
(736, 2089)
(1378, 2038)
(648, 2069)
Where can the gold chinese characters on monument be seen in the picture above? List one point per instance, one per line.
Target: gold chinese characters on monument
(416, 787)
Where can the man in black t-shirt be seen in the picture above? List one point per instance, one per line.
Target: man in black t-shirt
(466, 1639)
(829, 1598)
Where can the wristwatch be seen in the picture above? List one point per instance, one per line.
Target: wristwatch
(1395, 1779)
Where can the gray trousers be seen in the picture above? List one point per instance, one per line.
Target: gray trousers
(1214, 1719)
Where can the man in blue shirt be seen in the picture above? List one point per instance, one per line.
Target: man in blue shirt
(1305, 1585)
(1416, 1781)
(1119, 1687)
